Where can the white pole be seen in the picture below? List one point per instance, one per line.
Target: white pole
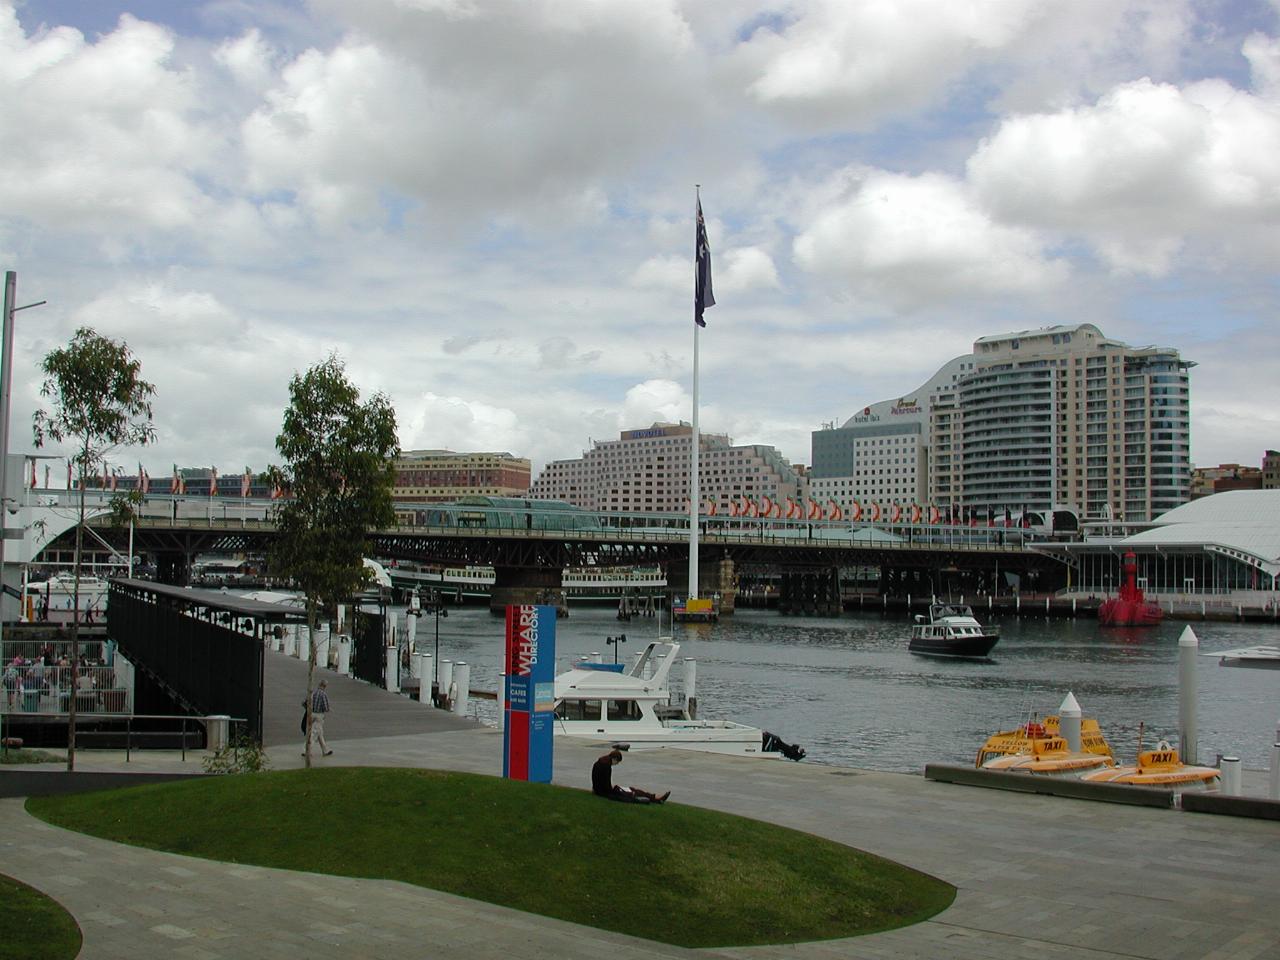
(1069, 714)
(1188, 648)
(462, 681)
(1231, 776)
(130, 548)
(502, 701)
(1275, 771)
(693, 474)
(694, 489)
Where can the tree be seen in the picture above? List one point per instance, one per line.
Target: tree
(337, 467)
(99, 402)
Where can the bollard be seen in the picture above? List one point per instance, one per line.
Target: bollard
(411, 629)
(392, 655)
(344, 656)
(1275, 772)
(595, 657)
(462, 686)
(691, 687)
(1069, 721)
(217, 732)
(1231, 776)
(501, 700)
(426, 667)
(1188, 648)
(322, 647)
(445, 680)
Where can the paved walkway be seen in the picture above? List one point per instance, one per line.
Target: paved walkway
(1039, 877)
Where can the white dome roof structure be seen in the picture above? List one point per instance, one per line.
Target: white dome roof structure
(1244, 524)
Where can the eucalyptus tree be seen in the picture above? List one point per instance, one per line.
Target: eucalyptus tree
(98, 401)
(337, 476)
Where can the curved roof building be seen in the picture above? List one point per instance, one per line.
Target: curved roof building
(1217, 545)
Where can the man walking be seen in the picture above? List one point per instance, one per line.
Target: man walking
(319, 709)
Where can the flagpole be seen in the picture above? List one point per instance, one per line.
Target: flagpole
(693, 475)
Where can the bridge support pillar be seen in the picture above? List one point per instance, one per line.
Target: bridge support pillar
(519, 585)
(715, 577)
(811, 592)
(173, 567)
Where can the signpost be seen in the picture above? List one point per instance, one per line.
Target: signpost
(530, 692)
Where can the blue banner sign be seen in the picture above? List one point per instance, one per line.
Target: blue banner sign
(530, 693)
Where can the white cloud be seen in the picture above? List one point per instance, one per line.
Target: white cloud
(99, 136)
(844, 63)
(913, 240)
(747, 269)
(1146, 166)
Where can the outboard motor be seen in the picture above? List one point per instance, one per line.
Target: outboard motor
(771, 743)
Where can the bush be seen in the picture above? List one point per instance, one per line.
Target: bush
(242, 755)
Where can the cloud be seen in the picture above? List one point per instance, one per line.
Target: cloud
(849, 64)
(913, 240)
(1146, 166)
(465, 107)
(103, 135)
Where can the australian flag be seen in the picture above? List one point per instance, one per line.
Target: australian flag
(702, 295)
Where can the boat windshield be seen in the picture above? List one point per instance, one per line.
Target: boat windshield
(578, 710)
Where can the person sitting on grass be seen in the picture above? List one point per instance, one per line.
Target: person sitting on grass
(602, 783)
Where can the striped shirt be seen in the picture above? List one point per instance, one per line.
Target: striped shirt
(319, 702)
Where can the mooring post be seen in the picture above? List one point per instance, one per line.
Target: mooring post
(1188, 650)
(1069, 715)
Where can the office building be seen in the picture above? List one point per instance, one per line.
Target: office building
(433, 476)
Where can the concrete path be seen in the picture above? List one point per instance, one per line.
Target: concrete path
(1039, 877)
(359, 709)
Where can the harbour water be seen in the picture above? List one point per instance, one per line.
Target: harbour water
(848, 691)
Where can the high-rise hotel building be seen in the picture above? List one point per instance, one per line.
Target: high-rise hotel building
(1058, 418)
(647, 471)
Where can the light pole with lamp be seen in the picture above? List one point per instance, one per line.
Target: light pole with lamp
(614, 642)
(415, 609)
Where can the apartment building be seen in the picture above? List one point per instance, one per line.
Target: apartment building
(647, 471)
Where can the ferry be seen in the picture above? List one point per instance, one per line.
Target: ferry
(609, 703)
(1161, 767)
(951, 630)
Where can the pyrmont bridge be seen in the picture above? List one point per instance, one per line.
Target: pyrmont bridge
(529, 547)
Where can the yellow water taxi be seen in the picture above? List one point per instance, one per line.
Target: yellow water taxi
(1020, 741)
(1049, 757)
(1161, 767)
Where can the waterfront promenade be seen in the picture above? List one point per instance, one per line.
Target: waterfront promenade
(1038, 877)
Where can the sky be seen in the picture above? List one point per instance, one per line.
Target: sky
(485, 208)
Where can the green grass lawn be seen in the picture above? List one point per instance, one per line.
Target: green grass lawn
(33, 926)
(672, 873)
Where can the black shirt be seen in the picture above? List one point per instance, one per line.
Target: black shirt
(602, 777)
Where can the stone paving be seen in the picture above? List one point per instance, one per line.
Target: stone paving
(1038, 877)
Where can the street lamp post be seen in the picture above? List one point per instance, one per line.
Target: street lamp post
(613, 642)
(435, 603)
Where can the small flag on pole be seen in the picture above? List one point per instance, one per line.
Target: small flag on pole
(213, 482)
(702, 295)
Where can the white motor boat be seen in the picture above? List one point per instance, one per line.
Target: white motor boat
(52, 599)
(608, 703)
(952, 631)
